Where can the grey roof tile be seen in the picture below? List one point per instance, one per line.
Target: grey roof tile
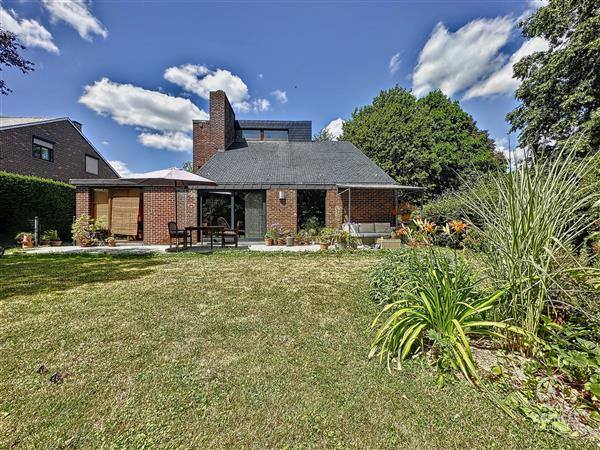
(293, 163)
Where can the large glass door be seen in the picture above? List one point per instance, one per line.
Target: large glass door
(254, 214)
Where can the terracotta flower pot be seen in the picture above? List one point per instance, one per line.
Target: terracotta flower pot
(55, 243)
(280, 241)
(112, 243)
(268, 242)
(405, 216)
(323, 247)
(27, 241)
(45, 243)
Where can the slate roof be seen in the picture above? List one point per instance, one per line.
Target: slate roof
(308, 164)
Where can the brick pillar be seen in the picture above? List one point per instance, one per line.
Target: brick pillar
(333, 209)
(84, 201)
(159, 210)
(282, 212)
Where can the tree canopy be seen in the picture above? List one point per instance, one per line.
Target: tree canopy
(560, 90)
(10, 57)
(429, 142)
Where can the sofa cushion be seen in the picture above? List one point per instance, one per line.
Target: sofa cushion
(366, 227)
(381, 227)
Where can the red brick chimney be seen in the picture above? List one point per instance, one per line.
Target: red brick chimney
(217, 133)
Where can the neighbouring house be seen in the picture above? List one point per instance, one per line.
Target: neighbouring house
(50, 148)
(267, 173)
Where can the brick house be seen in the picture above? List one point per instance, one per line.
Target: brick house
(267, 173)
(50, 148)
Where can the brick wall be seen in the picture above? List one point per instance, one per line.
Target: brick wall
(216, 134)
(70, 148)
(203, 149)
(369, 205)
(333, 209)
(84, 201)
(282, 212)
(159, 210)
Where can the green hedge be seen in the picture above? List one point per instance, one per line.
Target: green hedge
(24, 197)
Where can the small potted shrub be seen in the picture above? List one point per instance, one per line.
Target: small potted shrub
(342, 238)
(45, 239)
(280, 239)
(54, 238)
(289, 238)
(111, 241)
(84, 232)
(325, 238)
(270, 236)
(25, 239)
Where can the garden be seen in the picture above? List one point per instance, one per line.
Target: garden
(504, 295)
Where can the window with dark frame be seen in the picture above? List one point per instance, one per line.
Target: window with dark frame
(263, 135)
(275, 135)
(43, 149)
(91, 165)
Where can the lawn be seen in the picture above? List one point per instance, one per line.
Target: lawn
(226, 350)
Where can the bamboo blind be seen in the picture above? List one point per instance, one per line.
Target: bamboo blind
(125, 210)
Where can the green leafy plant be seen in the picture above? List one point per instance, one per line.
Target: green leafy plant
(272, 233)
(436, 312)
(327, 235)
(19, 236)
(527, 233)
(50, 235)
(87, 231)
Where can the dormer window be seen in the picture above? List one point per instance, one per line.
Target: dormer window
(263, 135)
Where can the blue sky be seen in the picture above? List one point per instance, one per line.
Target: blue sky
(136, 72)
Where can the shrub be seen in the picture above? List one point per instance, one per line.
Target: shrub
(24, 197)
(435, 312)
(390, 276)
(527, 232)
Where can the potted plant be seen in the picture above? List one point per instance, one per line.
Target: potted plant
(111, 241)
(270, 236)
(280, 239)
(342, 238)
(84, 231)
(25, 239)
(45, 239)
(54, 238)
(325, 238)
(289, 238)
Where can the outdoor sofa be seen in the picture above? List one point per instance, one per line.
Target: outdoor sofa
(368, 232)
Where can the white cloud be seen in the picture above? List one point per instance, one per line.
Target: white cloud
(76, 13)
(280, 96)
(122, 168)
(514, 156)
(105, 143)
(260, 75)
(169, 140)
(261, 104)
(30, 32)
(200, 80)
(334, 128)
(537, 3)
(394, 63)
(454, 61)
(502, 81)
(127, 104)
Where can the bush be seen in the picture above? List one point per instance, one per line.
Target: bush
(24, 197)
(387, 278)
(437, 306)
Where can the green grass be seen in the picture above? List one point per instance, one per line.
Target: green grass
(226, 350)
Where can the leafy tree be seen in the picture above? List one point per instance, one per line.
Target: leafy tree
(187, 166)
(560, 90)
(10, 57)
(429, 142)
(322, 136)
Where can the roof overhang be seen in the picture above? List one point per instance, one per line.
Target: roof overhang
(104, 182)
(381, 186)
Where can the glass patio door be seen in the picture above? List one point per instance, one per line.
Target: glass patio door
(254, 214)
